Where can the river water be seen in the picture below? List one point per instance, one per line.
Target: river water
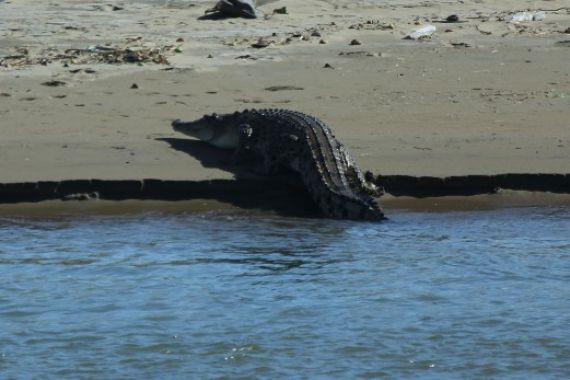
(479, 294)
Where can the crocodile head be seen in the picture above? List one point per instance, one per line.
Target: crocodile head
(221, 131)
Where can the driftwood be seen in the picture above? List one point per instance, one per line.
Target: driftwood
(232, 8)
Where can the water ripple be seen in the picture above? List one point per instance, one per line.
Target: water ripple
(458, 294)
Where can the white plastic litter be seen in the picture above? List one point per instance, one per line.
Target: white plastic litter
(539, 16)
(423, 32)
(528, 16)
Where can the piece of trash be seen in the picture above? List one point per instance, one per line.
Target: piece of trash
(54, 83)
(528, 16)
(460, 44)
(452, 18)
(327, 66)
(178, 50)
(539, 16)
(355, 42)
(421, 33)
(521, 16)
(247, 56)
(134, 86)
(261, 43)
(283, 88)
(281, 11)
(233, 8)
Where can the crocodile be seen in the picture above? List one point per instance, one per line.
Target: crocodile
(280, 138)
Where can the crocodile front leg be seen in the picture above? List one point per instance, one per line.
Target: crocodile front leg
(265, 163)
(241, 152)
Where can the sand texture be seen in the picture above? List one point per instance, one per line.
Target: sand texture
(88, 89)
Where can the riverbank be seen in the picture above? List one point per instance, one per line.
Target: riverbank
(89, 90)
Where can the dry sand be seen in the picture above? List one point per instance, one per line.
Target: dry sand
(482, 96)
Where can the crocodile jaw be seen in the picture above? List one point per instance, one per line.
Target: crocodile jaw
(213, 131)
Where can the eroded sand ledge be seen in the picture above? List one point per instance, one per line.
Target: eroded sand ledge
(248, 190)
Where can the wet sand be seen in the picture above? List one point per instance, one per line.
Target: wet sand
(482, 96)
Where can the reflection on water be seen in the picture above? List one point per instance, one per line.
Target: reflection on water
(455, 294)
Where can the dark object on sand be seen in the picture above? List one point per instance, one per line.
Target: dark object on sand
(54, 83)
(452, 18)
(261, 43)
(281, 11)
(232, 8)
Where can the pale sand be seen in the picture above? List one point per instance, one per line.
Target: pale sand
(485, 97)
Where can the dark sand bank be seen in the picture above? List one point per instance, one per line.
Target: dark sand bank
(282, 196)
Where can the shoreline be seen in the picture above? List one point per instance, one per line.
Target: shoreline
(247, 189)
(283, 195)
(276, 204)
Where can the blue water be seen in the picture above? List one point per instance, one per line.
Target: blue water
(172, 296)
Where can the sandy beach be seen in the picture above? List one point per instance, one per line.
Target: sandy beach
(88, 90)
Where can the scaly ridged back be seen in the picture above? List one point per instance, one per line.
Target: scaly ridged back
(307, 145)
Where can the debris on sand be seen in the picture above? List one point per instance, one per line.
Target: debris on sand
(283, 88)
(232, 8)
(103, 54)
(281, 11)
(452, 18)
(91, 55)
(424, 32)
(54, 83)
(373, 24)
(261, 43)
(527, 16)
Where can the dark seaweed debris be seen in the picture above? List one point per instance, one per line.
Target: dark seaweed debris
(90, 55)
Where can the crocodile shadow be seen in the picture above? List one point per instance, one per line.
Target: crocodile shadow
(284, 194)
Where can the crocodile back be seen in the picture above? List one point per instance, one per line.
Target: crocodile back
(307, 145)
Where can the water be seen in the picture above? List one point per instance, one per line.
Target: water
(171, 296)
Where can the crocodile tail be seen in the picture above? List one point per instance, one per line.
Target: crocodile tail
(341, 206)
